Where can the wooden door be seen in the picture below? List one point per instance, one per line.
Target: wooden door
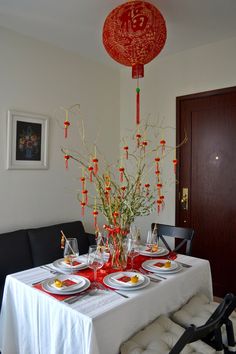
(207, 167)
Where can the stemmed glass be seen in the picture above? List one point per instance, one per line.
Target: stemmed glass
(133, 250)
(71, 251)
(95, 261)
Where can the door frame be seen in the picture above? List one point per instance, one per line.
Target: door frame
(179, 100)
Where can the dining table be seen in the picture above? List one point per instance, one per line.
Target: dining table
(34, 321)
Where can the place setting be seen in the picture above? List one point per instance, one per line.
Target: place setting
(162, 266)
(126, 281)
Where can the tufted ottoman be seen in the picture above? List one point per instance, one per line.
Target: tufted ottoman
(159, 337)
(197, 311)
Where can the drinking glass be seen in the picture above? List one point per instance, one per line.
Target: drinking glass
(95, 261)
(133, 250)
(152, 239)
(71, 251)
(133, 231)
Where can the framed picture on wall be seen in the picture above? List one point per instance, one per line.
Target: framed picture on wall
(27, 141)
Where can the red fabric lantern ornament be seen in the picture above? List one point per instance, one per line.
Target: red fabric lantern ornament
(134, 33)
(90, 168)
(159, 186)
(126, 148)
(175, 162)
(147, 186)
(66, 157)
(95, 162)
(144, 145)
(83, 182)
(138, 137)
(162, 198)
(159, 202)
(163, 145)
(123, 189)
(122, 170)
(85, 196)
(115, 216)
(107, 193)
(157, 172)
(157, 160)
(82, 206)
(95, 214)
(66, 125)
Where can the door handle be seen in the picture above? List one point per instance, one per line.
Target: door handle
(184, 199)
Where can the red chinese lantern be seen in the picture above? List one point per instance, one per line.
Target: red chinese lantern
(134, 33)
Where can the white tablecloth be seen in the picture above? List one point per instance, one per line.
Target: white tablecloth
(33, 322)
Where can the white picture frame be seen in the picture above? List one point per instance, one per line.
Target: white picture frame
(27, 141)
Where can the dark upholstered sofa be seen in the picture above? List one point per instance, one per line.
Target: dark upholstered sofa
(23, 249)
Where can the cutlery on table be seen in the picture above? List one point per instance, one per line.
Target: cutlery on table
(151, 275)
(184, 264)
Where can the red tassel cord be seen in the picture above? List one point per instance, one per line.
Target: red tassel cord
(82, 179)
(82, 208)
(162, 198)
(175, 162)
(66, 126)
(95, 163)
(157, 160)
(66, 157)
(157, 172)
(126, 148)
(123, 189)
(144, 145)
(115, 216)
(95, 214)
(159, 186)
(163, 144)
(90, 168)
(137, 105)
(85, 196)
(138, 137)
(147, 186)
(159, 202)
(121, 169)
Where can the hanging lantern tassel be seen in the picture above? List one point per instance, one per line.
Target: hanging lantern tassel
(157, 172)
(66, 157)
(147, 186)
(138, 137)
(83, 182)
(95, 162)
(66, 126)
(107, 194)
(126, 148)
(175, 162)
(163, 145)
(95, 214)
(159, 186)
(85, 196)
(157, 160)
(121, 169)
(144, 145)
(90, 168)
(82, 206)
(162, 198)
(159, 202)
(123, 189)
(137, 105)
(115, 215)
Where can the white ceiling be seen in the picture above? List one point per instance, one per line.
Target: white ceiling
(77, 24)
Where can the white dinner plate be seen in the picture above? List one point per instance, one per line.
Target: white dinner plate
(107, 281)
(60, 264)
(160, 252)
(82, 284)
(148, 265)
(116, 279)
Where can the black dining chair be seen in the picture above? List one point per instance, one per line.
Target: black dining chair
(210, 332)
(182, 235)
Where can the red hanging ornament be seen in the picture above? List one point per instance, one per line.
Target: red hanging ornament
(159, 186)
(147, 186)
(107, 193)
(123, 189)
(163, 144)
(95, 214)
(85, 196)
(90, 168)
(66, 126)
(175, 162)
(82, 208)
(66, 157)
(122, 170)
(126, 148)
(162, 198)
(159, 202)
(157, 172)
(138, 137)
(95, 162)
(157, 160)
(144, 145)
(134, 33)
(83, 182)
(115, 216)
(137, 105)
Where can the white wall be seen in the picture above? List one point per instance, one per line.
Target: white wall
(37, 77)
(204, 68)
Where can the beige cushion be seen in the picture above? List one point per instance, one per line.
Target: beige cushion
(197, 311)
(159, 337)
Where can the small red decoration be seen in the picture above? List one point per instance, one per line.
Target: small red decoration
(123, 188)
(66, 126)
(162, 198)
(95, 214)
(95, 162)
(83, 204)
(147, 186)
(107, 193)
(115, 216)
(134, 33)
(157, 172)
(159, 186)
(138, 137)
(157, 160)
(90, 168)
(175, 162)
(159, 202)
(83, 182)
(85, 194)
(126, 148)
(144, 145)
(163, 144)
(121, 169)
(66, 157)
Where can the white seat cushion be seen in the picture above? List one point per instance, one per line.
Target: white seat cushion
(197, 311)
(159, 337)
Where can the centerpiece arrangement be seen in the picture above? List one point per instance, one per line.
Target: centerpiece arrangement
(132, 186)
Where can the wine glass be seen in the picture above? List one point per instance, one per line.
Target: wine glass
(95, 261)
(152, 242)
(71, 251)
(133, 250)
(133, 231)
